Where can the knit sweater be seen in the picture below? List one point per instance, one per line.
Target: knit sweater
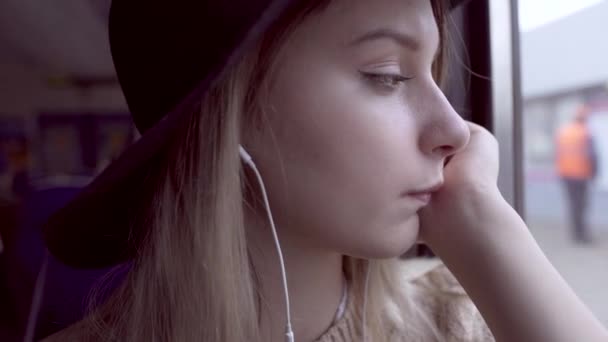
(433, 289)
(427, 283)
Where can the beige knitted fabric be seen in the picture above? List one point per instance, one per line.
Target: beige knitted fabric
(427, 283)
(436, 292)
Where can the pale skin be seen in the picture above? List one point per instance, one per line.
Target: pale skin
(353, 158)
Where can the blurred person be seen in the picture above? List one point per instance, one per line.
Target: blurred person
(576, 162)
(327, 118)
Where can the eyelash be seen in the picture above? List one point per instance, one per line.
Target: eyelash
(391, 81)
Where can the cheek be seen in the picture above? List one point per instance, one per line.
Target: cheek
(344, 155)
(337, 136)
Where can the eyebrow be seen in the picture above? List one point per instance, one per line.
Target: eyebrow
(403, 39)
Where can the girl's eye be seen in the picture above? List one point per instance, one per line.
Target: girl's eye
(390, 81)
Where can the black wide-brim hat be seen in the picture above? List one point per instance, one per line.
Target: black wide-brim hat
(166, 54)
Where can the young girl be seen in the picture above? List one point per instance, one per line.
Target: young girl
(307, 146)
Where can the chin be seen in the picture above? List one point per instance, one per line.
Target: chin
(388, 242)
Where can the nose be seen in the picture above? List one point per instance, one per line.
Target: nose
(444, 132)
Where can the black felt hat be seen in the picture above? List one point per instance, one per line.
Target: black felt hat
(167, 54)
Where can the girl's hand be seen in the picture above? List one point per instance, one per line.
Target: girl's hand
(489, 249)
(459, 213)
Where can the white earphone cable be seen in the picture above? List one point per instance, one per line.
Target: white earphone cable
(364, 318)
(37, 298)
(249, 161)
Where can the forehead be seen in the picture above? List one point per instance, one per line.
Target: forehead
(346, 20)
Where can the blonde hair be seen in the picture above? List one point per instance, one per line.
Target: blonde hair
(191, 279)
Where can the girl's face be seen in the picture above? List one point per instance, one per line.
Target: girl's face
(357, 129)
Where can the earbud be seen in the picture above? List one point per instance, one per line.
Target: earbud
(289, 337)
(245, 156)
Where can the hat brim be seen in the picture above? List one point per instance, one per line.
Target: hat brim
(95, 229)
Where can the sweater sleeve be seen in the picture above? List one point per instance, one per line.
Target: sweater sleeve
(455, 317)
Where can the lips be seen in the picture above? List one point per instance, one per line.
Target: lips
(424, 194)
(430, 189)
(423, 197)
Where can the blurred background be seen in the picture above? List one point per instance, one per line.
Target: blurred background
(564, 74)
(62, 120)
(536, 73)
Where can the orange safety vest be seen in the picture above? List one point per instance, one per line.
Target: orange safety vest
(574, 152)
